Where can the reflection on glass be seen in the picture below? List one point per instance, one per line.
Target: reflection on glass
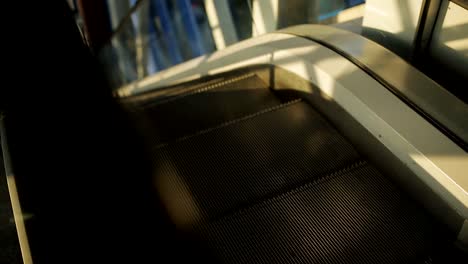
(157, 34)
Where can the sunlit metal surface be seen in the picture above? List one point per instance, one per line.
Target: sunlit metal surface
(413, 86)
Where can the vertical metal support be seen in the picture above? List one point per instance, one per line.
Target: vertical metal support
(190, 25)
(265, 16)
(393, 24)
(160, 8)
(296, 12)
(118, 10)
(270, 15)
(155, 49)
(222, 26)
(140, 19)
(426, 24)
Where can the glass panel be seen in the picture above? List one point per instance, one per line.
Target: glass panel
(450, 38)
(157, 34)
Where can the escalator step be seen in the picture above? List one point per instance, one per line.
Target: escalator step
(354, 216)
(189, 87)
(207, 106)
(246, 160)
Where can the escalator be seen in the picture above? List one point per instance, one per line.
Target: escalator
(298, 146)
(256, 175)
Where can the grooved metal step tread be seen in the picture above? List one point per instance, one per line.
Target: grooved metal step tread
(187, 113)
(213, 173)
(355, 217)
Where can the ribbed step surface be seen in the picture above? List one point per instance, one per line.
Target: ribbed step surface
(196, 109)
(254, 179)
(353, 216)
(238, 163)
